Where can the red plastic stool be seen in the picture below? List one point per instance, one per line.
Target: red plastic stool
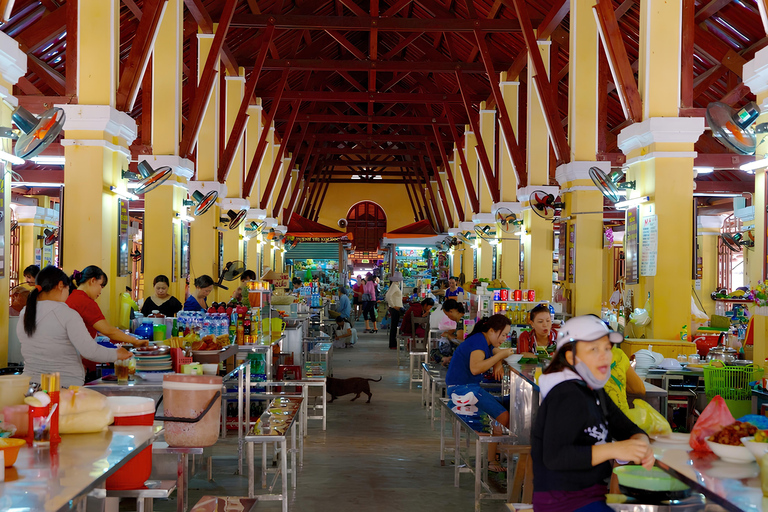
(287, 372)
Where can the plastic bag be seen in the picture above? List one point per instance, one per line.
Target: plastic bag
(640, 317)
(77, 399)
(85, 422)
(714, 417)
(649, 419)
(698, 315)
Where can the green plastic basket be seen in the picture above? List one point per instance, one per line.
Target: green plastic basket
(730, 382)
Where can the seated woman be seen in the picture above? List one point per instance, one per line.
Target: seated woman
(345, 334)
(197, 300)
(418, 310)
(85, 288)
(242, 290)
(476, 355)
(53, 337)
(161, 300)
(541, 334)
(449, 333)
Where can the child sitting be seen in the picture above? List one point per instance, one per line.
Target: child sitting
(345, 335)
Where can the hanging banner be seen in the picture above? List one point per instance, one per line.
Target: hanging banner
(185, 256)
(3, 208)
(562, 251)
(631, 247)
(571, 252)
(649, 246)
(123, 247)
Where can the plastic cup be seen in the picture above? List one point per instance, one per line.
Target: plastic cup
(123, 368)
(42, 431)
(159, 332)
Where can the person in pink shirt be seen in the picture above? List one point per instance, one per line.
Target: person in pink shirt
(369, 304)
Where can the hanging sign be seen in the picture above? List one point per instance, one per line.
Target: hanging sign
(562, 251)
(631, 247)
(185, 256)
(123, 245)
(3, 209)
(649, 247)
(283, 281)
(571, 253)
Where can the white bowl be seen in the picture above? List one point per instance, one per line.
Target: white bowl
(670, 364)
(756, 449)
(514, 358)
(737, 454)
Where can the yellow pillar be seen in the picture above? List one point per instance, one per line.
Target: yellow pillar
(756, 78)
(252, 133)
(537, 243)
(96, 144)
(204, 243)
(577, 189)
(13, 65)
(509, 249)
(660, 150)
(162, 229)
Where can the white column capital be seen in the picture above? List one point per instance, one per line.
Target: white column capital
(46, 216)
(755, 72)
(579, 170)
(103, 118)
(660, 129)
(182, 167)
(234, 203)
(514, 207)
(256, 214)
(709, 222)
(524, 194)
(13, 61)
(481, 219)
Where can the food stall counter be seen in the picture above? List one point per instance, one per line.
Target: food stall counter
(733, 486)
(60, 477)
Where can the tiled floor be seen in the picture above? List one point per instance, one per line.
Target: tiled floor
(381, 456)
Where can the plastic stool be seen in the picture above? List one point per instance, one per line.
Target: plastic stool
(288, 372)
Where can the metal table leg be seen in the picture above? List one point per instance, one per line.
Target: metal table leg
(251, 475)
(284, 468)
(442, 436)
(240, 433)
(293, 455)
(182, 481)
(456, 452)
(478, 472)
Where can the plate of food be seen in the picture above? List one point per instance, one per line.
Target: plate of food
(727, 444)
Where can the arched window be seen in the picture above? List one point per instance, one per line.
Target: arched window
(367, 222)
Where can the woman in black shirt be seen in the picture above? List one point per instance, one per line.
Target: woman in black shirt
(161, 300)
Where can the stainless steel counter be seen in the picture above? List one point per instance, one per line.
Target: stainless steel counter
(59, 477)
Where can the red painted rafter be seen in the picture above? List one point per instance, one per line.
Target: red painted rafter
(207, 80)
(551, 21)
(43, 30)
(141, 49)
(543, 87)
(262, 146)
(365, 97)
(289, 171)
(686, 54)
(382, 24)
(449, 175)
(279, 157)
(621, 69)
(513, 150)
(488, 171)
(295, 191)
(432, 200)
(473, 196)
(238, 129)
(441, 189)
(205, 23)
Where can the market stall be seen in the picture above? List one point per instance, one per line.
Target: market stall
(416, 255)
(314, 251)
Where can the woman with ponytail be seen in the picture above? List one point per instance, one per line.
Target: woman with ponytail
(53, 337)
(476, 355)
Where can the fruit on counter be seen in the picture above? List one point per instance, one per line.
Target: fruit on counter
(761, 436)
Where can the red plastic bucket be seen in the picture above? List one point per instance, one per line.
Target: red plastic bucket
(705, 342)
(131, 411)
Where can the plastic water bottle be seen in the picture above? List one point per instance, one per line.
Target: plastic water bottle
(206, 326)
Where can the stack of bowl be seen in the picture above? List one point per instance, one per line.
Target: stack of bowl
(645, 360)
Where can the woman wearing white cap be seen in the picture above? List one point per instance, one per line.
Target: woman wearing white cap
(394, 298)
(578, 429)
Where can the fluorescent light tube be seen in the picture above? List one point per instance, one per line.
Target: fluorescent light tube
(632, 202)
(8, 157)
(124, 195)
(757, 164)
(49, 160)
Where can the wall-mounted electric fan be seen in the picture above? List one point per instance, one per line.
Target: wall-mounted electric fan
(232, 270)
(466, 237)
(149, 178)
(505, 220)
(485, 233)
(342, 223)
(234, 218)
(733, 128)
(34, 133)
(202, 203)
(255, 226)
(735, 241)
(49, 236)
(610, 184)
(546, 206)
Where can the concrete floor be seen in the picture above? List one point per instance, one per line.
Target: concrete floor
(381, 456)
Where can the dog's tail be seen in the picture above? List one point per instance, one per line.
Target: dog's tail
(374, 380)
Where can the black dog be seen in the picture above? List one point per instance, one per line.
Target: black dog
(341, 387)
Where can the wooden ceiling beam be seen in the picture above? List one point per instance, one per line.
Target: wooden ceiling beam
(382, 24)
(238, 128)
(47, 74)
(279, 157)
(621, 70)
(205, 23)
(368, 120)
(43, 30)
(207, 80)
(365, 97)
(288, 173)
(547, 26)
(441, 189)
(430, 66)
(261, 147)
(138, 57)
(543, 87)
(474, 198)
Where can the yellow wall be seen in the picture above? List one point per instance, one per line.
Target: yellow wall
(393, 199)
